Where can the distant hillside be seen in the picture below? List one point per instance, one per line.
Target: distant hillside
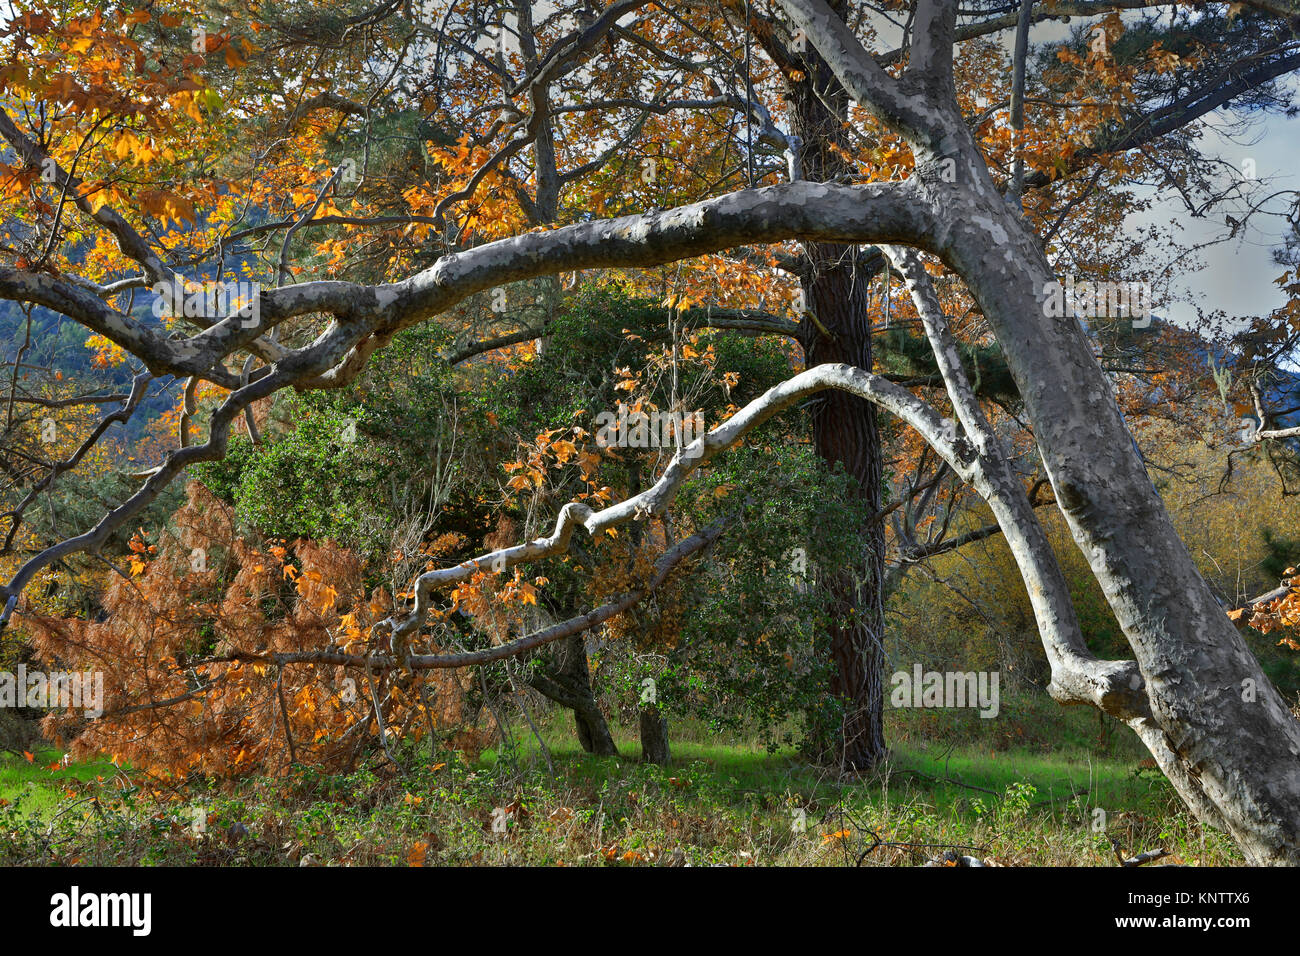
(58, 344)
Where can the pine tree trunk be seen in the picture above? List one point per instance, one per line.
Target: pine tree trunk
(845, 432)
(837, 328)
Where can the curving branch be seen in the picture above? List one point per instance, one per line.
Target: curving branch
(803, 210)
(939, 432)
(1078, 676)
(918, 118)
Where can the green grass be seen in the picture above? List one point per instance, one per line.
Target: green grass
(1041, 785)
(35, 788)
(1062, 752)
(946, 773)
(1024, 789)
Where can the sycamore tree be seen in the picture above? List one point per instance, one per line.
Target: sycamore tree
(250, 198)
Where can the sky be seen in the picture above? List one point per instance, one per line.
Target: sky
(1238, 275)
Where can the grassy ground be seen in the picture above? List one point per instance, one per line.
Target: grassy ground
(37, 786)
(1048, 787)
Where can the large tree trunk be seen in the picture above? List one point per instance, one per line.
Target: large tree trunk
(567, 682)
(1215, 724)
(837, 328)
(1218, 728)
(845, 433)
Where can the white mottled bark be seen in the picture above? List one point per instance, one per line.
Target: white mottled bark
(1218, 727)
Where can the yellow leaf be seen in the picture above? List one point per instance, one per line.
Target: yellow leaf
(166, 205)
(126, 142)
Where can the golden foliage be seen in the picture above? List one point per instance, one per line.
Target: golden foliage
(178, 700)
